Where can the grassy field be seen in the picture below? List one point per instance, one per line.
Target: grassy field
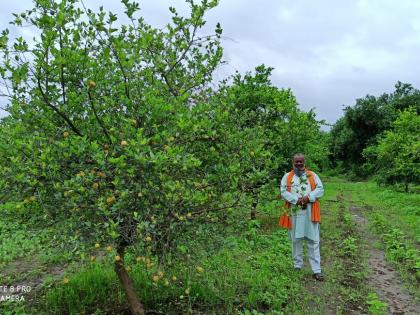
(242, 267)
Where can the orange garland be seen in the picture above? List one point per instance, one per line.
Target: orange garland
(285, 221)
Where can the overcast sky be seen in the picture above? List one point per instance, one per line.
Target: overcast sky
(328, 52)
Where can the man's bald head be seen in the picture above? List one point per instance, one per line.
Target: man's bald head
(299, 155)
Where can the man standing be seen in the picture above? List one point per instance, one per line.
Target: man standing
(301, 189)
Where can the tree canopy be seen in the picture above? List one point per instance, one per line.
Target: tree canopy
(116, 134)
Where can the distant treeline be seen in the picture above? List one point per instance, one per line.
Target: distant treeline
(380, 136)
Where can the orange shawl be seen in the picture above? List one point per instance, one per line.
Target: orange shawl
(285, 220)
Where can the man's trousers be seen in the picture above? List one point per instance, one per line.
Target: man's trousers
(312, 251)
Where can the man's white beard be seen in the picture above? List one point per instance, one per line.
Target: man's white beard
(299, 172)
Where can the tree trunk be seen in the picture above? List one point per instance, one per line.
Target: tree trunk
(254, 208)
(135, 306)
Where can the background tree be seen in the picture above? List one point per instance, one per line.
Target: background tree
(362, 125)
(396, 158)
(269, 127)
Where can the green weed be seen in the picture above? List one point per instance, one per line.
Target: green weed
(376, 306)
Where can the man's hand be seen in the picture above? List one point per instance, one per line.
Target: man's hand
(305, 200)
(299, 202)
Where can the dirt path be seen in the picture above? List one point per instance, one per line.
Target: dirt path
(33, 282)
(383, 277)
(343, 291)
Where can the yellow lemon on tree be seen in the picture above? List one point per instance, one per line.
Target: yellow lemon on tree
(91, 84)
(110, 200)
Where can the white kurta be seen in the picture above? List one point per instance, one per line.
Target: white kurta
(302, 225)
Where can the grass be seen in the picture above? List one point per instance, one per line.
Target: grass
(20, 241)
(251, 272)
(394, 216)
(401, 209)
(246, 268)
(246, 264)
(93, 285)
(343, 261)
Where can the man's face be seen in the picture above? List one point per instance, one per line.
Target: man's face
(299, 162)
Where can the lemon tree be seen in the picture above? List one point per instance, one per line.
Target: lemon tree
(109, 128)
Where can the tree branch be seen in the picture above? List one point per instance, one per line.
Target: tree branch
(185, 51)
(56, 110)
(62, 67)
(164, 76)
(97, 117)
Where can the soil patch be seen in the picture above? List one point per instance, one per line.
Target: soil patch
(27, 284)
(383, 277)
